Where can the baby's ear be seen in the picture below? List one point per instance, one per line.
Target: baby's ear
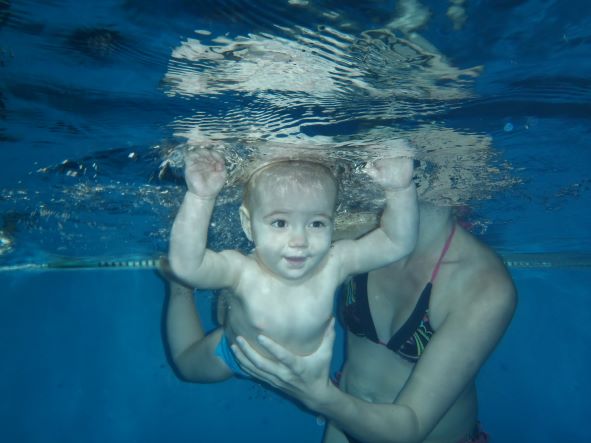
(245, 221)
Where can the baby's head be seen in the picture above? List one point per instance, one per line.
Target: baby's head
(288, 211)
(289, 177)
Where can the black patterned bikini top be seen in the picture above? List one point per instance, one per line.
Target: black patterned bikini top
(410, 341)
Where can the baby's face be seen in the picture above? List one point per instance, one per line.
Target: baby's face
(292, 228)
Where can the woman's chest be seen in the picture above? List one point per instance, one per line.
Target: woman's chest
(393, 302)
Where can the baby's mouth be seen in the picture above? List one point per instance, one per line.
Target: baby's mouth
(296, 262)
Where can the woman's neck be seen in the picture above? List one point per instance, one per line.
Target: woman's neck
(434, 227)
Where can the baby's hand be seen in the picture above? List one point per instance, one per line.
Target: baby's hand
(393, 174)
(205, 172)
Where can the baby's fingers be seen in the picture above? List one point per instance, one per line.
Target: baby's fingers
(203, 155)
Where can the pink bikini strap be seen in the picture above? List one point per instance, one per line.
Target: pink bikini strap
(443, 252)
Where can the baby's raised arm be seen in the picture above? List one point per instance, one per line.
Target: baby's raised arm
(397, 235)
(205, 175)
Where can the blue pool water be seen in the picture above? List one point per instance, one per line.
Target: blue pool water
(97, 100)
(83, 360)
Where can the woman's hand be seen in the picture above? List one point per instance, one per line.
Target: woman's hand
(305, 378)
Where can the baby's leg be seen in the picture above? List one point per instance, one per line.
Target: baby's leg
(194, 354)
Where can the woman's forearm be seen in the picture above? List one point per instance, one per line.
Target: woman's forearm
(369, 422)
(183, 325)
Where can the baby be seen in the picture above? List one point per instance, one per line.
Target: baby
(285, 288)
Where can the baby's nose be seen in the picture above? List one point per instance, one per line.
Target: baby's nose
(298, 239)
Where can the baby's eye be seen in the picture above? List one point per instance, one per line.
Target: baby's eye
(318, 224)
(279, 223)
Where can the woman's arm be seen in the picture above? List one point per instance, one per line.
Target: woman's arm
(191, 351)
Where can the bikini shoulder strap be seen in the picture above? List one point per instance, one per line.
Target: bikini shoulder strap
(443, 252)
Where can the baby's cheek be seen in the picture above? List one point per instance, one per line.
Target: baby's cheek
(323, 243)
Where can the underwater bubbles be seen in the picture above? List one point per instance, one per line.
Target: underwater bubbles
(5, 244)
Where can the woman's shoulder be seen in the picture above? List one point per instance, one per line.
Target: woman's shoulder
(481, 277)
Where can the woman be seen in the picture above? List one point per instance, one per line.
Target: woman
(418, 333)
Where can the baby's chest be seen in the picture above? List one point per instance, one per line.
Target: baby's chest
(288, 312)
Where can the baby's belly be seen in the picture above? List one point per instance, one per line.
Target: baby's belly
(299, 334)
